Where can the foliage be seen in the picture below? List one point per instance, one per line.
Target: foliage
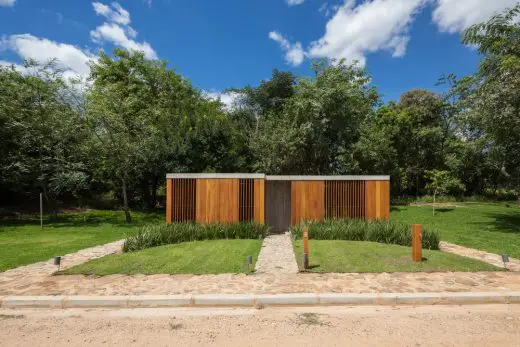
(362, 230)
(157, 235)
(490, 99)
(318, 125)
(440, 183)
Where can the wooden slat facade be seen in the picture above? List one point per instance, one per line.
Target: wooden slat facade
(344, 199)
(242, 199)
(259, 203)
(377, 199)
(307, 201)
(217, 201)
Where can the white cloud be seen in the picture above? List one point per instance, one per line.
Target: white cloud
(114, 33)
(294, 53)
(456, 15)
(7, 3)
(369, 27)
(229, 99)
(117, 30)
(71, 59)
(294, 2)
(116, 13)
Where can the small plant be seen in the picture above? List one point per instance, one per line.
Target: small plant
(309, 318)
(157, 235)
(363, 230)
(441, 182)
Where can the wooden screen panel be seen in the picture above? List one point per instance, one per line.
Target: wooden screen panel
(217, 200)
(344, 199)
(307, 201)
(377, 200)
(259, 201)
(182, 194)
(246, 200)
(169, 200)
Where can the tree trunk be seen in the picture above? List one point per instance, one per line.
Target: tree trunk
(128, 217)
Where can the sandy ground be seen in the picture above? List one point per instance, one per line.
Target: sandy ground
(483, 325)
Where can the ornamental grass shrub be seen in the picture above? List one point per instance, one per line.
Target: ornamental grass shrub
(363, 230)
(157, 235)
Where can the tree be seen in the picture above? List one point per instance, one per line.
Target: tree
(490, 98)
(318, 126)
(122, 113)
(441, 182)
(403, 139)
(41, 134)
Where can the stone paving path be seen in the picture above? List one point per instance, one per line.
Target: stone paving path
(490, 258)
(265, 283)
(277, 256)
(37, 279)
(23, 276)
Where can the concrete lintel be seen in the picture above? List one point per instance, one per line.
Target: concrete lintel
(328, 178)
(216, 175)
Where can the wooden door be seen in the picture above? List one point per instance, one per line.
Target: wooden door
(278, 205)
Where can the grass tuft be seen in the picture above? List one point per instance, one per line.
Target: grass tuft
(158, 235)
(362, 230)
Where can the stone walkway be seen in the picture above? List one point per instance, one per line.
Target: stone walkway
(277, 256)
(264, 283)
(39, 272)
(490, 258)
(271, 277)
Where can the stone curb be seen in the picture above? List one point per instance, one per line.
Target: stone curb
(296, 299)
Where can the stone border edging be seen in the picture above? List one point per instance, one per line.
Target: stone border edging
(296, 299)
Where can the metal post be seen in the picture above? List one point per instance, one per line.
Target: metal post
(41, 211)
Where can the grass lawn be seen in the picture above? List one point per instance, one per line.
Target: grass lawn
(198, 257)
(22, 242)
(494, 227)
(356, 256)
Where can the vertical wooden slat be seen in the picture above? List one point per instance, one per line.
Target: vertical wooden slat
(169, 200)
(259, 201)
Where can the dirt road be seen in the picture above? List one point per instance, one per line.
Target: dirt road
(484, 325)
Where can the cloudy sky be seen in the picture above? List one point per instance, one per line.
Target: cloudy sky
(404, 44)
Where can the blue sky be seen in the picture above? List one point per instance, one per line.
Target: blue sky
(404, 44)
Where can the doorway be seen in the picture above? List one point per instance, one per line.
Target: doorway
(278, 205)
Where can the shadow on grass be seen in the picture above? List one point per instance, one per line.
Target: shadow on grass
(444, 209)
(503, 223)
(86, 219)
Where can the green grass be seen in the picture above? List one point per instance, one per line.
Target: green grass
(22, 242)
(198, 257)
(158, 235)
(494, 227)
(356, 256)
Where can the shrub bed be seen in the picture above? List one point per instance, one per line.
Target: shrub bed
(362, 230)
(157, 235)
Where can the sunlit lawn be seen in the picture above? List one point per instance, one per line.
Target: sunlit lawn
(494, 227)
(22, 242)
(198, 257)
(358, 256)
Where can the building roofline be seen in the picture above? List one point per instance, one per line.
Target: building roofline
(281, 177)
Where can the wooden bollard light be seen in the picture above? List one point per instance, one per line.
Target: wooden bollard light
(305, 248)
(417, 242)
